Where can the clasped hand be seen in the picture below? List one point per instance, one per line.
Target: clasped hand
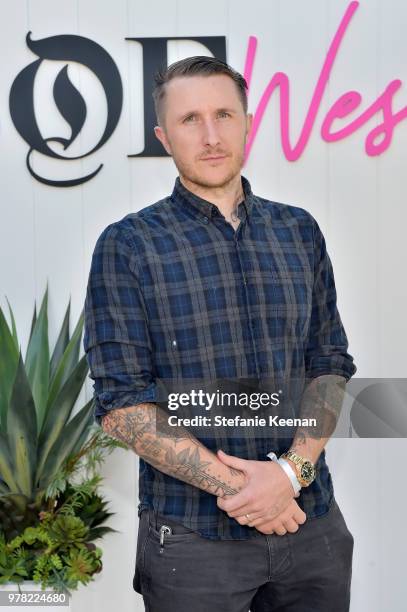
(267, 499)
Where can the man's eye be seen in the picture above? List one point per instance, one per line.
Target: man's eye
(191, 117)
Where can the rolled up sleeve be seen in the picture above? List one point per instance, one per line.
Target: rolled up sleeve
(327, 345)
(116, 338)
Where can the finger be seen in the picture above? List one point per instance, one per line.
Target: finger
(299, 516)
(232, 461)
(231, 502)
(246, 509)
(255, 522)
(260, 521)
(279, 529)
(242, 520)
(266, 529)
(291, 526)
(254, 518)
(238, 504)
(259, 516)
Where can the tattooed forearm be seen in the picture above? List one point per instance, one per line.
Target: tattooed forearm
(322, 400)
(171, 449)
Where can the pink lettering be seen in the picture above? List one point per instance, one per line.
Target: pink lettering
(345, 105)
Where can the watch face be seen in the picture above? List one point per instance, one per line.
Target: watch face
(308, 471)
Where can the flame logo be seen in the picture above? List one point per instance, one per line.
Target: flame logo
(68, 99)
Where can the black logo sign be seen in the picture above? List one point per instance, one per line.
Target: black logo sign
(71, 104)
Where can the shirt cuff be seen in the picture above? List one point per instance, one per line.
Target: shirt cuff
(108, 400)
(326, 365)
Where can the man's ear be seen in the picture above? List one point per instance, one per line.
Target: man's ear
(160, 134)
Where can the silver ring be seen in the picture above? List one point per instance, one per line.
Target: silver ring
(247, 516)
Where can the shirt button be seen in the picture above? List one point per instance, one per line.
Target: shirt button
(205, 220)
(244, 280)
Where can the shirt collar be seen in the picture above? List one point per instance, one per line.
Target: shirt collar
(207, 209)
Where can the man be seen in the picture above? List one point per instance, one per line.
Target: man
(213, 283)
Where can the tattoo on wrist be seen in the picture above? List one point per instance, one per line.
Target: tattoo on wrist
(145, 428)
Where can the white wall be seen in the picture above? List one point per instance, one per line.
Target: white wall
(358, 200)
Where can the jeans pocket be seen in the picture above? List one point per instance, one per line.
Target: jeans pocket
(343, 525)
(322, 517)
(142, 539)
(173, 531)
(337, 536)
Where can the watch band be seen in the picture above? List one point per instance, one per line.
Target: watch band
(300, 463)
(288, 470)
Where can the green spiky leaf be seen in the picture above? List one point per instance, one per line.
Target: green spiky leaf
(8, 364)
(13, 326)
(6, 466)
(67, 362)
(59, 412)
(65, 442)
(22, 431)
(61, 343)
(37, 360)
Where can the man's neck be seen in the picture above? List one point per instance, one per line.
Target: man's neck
(226, 198)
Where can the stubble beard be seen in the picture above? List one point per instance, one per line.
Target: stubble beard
(189, 172)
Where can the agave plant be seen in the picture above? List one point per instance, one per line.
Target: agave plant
(37, 397)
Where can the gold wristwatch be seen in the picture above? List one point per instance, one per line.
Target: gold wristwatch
(305, 469)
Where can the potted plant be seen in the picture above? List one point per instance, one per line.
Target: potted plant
(50, 509)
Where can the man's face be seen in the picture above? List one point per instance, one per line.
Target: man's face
(204, 117)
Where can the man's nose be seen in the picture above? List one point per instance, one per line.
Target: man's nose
(211, 133)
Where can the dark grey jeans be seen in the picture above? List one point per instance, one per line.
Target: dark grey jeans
(306, 571)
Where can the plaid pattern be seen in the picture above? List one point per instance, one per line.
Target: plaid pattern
(174, 292)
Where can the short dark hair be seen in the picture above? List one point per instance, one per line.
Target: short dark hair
(191, 66)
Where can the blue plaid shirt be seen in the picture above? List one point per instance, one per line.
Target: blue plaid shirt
(175, 292)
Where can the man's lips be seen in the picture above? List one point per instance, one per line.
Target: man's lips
(213, 157)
